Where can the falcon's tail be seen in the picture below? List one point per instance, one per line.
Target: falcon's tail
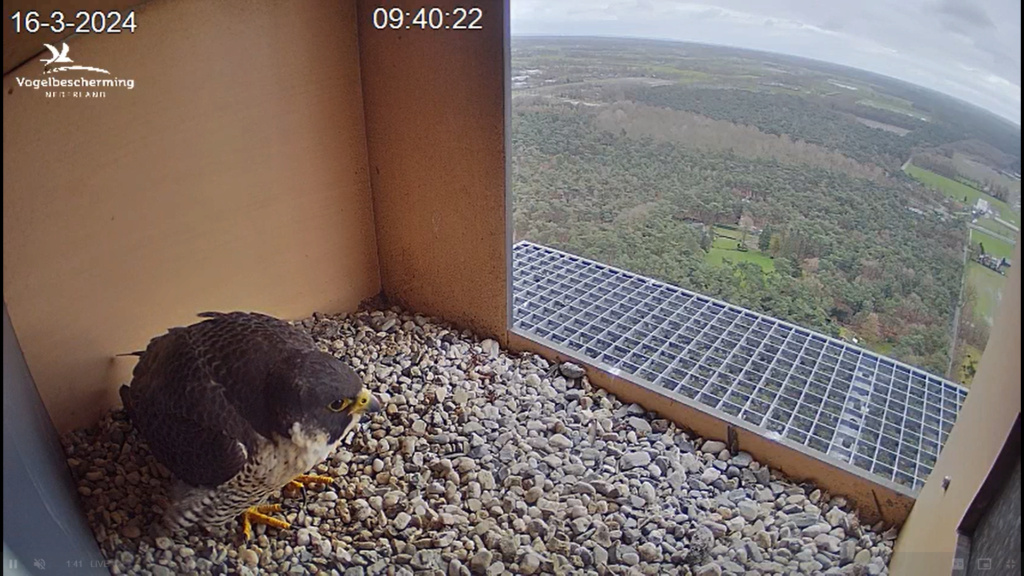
(136, 353)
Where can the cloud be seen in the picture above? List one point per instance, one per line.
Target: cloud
(965, 12)
(926, 42)
(833, 24)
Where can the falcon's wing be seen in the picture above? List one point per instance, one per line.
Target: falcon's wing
(228, 326)
(185, 416)
(197, 453)
(248, 355)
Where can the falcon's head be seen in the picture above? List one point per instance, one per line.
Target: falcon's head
(326, 394)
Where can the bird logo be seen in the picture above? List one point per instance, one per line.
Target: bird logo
(61, 57)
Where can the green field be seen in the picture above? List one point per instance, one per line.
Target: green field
(988, 285)
(678, 74)
(979, 173)
(724, 248)
(890, 103)
(993, 246)
(723, 232)
(990, 224)
(717, 255)
(884, 348)
(957, 191)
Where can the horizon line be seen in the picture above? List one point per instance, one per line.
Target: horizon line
(1015, 123)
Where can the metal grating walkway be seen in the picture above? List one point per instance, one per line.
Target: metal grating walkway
(851, 404)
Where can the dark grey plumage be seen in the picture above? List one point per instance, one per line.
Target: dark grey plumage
(236, 406)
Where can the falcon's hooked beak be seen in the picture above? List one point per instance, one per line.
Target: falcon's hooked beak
(373, 405)
(365, 403)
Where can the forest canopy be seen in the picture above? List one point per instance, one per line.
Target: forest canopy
(847, 251)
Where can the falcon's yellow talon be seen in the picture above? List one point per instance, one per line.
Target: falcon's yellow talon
(309, 479)
(258, 515)
(302, 481)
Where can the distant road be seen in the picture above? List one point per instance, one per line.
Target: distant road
(1007, 239)
(1007, 224)
(546, 89)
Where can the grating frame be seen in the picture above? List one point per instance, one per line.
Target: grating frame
(843, 401)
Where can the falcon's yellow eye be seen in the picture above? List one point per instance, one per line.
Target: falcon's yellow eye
(339, 405)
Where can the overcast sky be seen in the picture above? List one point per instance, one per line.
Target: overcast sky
(969, 49)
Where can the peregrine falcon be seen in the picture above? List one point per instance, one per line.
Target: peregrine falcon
(238, 406)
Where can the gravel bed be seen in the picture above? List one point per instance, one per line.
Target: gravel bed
(487, 463)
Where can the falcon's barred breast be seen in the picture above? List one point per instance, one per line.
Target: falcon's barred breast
(237, 406)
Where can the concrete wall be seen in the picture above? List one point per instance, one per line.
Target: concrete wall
(997, 537)
(927, 542)
(436, 134)
(233, 176)
(41, 517)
